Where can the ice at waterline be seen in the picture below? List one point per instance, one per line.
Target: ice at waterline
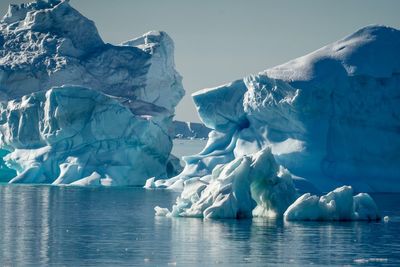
(256, 186)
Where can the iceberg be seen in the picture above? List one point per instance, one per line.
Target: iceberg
(190, 130)
(75, 110)
(70, 135)
(245, 187)
(331, 118)
(338, 205)
(256, 186)
(46, 44)
(328, 119)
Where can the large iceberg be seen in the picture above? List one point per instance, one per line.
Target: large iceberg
(327, 119)
(331, 117)
(75, 110)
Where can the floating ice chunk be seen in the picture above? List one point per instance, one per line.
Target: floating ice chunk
(338, 205)
(248, 186)
(92, 180)
(371, 260)
(161, 211)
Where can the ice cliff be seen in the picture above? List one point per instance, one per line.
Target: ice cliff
(77, 110)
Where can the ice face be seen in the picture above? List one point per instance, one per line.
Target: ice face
(338, 205)
(78, 111)
(331, 117)
(76, 135)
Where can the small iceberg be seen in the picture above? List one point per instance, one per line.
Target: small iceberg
(253, 185)
(338, 205)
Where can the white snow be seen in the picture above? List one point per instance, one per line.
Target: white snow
(338, 205)
(78, 111)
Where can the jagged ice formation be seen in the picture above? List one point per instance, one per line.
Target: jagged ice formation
(111, 119)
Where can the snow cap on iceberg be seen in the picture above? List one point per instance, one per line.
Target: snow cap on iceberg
(370, 51)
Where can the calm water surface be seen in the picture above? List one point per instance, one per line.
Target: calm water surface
(69, 226)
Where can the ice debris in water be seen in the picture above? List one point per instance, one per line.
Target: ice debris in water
(257, 186)
(338, 205)
(248, 186)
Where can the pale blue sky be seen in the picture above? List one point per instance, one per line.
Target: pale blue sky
(218, 41)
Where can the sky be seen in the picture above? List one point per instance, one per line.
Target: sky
(218, 41)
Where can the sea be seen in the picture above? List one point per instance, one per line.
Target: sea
(116, 226)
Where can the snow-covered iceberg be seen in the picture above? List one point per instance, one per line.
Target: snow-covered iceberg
(77, 110)
(338, 205)
(330, 118)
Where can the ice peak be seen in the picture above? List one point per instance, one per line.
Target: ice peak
(17, 12)
(55, 17)
(61, 46)
(370, 51)
(151, 41)
(372, 30)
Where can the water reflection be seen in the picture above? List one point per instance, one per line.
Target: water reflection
(116, 226)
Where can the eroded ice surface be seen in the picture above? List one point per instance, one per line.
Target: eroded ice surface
(247, 186)
(71, 135)
(256, 186)
(110, 122)
(338, 205)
